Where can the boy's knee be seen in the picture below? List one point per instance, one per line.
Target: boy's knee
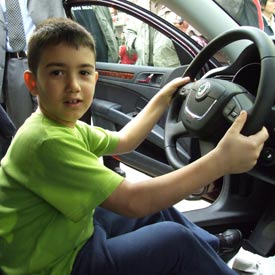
(176, 231)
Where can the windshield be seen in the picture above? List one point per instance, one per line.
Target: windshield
(257, 13)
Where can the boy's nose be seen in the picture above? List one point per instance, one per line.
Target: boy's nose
(73, 85)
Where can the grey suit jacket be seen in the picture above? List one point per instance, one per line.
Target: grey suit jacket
(39, 11)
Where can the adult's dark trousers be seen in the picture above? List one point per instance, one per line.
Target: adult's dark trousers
(7, 131)
(162, 243)
(19, 103)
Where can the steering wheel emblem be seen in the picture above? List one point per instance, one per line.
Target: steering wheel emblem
(203, 91)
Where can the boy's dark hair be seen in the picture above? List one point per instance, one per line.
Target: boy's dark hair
(54, 31)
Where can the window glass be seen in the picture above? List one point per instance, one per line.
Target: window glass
(151, 47)
(121, 38)
(98, 20)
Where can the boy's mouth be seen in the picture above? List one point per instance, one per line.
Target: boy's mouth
(73, 101)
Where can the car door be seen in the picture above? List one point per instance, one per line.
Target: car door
(123, 89)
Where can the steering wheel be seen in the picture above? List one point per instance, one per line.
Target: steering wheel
(207, 107)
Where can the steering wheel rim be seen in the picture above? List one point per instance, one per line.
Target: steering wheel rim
(265, 94)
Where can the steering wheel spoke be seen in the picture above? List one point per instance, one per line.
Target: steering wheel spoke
(177, 129)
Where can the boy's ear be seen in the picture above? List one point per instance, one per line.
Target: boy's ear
(30, 82)
(96, 76)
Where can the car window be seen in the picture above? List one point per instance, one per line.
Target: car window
(193, 34)
(98, 20)
(151, 47)
(165, 13)
(122, 38)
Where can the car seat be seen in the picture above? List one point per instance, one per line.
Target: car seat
(7, 131)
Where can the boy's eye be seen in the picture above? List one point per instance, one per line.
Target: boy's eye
(56, 72)
(84, 72)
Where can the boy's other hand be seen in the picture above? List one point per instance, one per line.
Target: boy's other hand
(239, 153)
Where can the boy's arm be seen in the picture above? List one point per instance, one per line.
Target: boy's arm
(154, 194)
(138, 128)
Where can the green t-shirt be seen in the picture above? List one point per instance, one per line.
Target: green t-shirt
(50, 183)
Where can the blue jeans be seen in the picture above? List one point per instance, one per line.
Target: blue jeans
(162, 243)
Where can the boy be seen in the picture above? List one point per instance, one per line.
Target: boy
(51, 182)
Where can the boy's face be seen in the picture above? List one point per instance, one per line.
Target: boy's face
(65, 83)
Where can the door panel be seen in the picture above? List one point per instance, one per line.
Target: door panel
(120, 95)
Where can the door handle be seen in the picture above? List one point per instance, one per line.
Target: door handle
(147, 80)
